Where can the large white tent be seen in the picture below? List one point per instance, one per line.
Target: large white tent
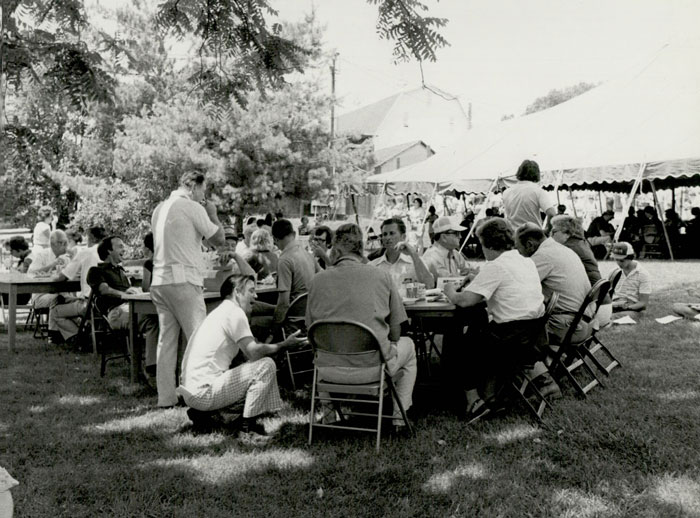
(647, 120)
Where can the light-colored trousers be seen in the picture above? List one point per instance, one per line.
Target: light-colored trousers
(66, 317)
(180, 307)
(255, 381)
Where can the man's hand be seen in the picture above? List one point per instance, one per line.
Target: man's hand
(225, 257)
(405, 248)
(449, 290)
(317, 250)
(210, 207)
(131, 291)
(293, 340)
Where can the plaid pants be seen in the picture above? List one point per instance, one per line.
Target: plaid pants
(255, 381)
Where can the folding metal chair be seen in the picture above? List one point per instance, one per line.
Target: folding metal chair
(572, 355)
(299, 361)
(38, 318)
(110, 344)
(522, 383)
(614, 279)
(348, 361)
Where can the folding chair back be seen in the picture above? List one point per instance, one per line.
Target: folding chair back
(614, 279)
(299, 361)
(109, 343)
(348, 361)
(572, 355)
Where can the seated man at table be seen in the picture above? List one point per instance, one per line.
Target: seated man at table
(634, 289)
(108, 279)
(65, 313)
(295, 270)
(400, 259)
(208, 384)
(443, 258)
(560, 270)
(19, 249)
(47, 261)
(515, 337)
(320, 245)
(353, 290)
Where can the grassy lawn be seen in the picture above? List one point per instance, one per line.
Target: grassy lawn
(84, 446)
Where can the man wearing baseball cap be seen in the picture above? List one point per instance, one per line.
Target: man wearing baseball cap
(633, 291)
(443, 258)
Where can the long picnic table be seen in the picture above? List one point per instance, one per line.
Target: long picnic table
(141, 304)
(14, 283)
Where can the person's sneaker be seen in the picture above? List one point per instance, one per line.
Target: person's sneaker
(548, 387)
(55, 338)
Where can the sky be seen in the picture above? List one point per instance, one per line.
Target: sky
(503, 54)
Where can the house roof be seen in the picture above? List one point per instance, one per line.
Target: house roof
(382, 156)
(366, 120)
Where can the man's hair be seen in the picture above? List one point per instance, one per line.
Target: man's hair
(18, 244)
(568, 224)
(348, 239)
(431, 209)
(260, 222)
(528, 171)
(44, 212)
(148, 241)
(232, 282)
(251, 220)
(261, 241)
(282, 228)
(650, 210)
(420, 202)
(105, 246)
(192, 178)
(530, 232)
(561, 209)
(324, 230)
(695, 211)
(58, 234)
(268, 219)
(495, 234)
(395, 221)
(98, 233)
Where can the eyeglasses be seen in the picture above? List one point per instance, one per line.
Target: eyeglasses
(319, 240)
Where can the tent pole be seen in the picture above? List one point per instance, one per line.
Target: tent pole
(354, 207)
(636, 185)
(600, 202)
(480, 215)
(573, 204)
(658, 210)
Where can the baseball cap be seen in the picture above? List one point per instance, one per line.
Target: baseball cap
(230, 233)
(445, 224)
(621, 250)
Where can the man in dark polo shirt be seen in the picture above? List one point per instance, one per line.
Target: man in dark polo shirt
(109, 281)
(352, 290)
(295, 270)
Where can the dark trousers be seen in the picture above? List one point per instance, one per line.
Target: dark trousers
(484, 362)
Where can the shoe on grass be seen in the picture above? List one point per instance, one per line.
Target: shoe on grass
(202, 421)
(252, 425)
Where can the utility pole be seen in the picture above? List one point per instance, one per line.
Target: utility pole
(332, 143)
(335, 56)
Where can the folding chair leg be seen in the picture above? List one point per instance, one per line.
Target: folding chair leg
(312, 415)
(395, 399)
(380, 416)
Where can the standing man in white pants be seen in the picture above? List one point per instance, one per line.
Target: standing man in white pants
(179, 225)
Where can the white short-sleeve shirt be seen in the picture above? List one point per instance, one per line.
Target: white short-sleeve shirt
(79, 267)
(523, 203)
(213, 346)
(177, 256)
(511, 286)
(402, 269)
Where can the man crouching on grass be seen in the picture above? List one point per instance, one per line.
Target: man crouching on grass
(208, 384)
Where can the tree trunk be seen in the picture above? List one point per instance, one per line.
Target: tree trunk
(3, 18)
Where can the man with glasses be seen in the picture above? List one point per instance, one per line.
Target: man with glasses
(320, 245)
(443, 258)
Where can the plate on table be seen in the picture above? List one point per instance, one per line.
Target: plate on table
(407, 301)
